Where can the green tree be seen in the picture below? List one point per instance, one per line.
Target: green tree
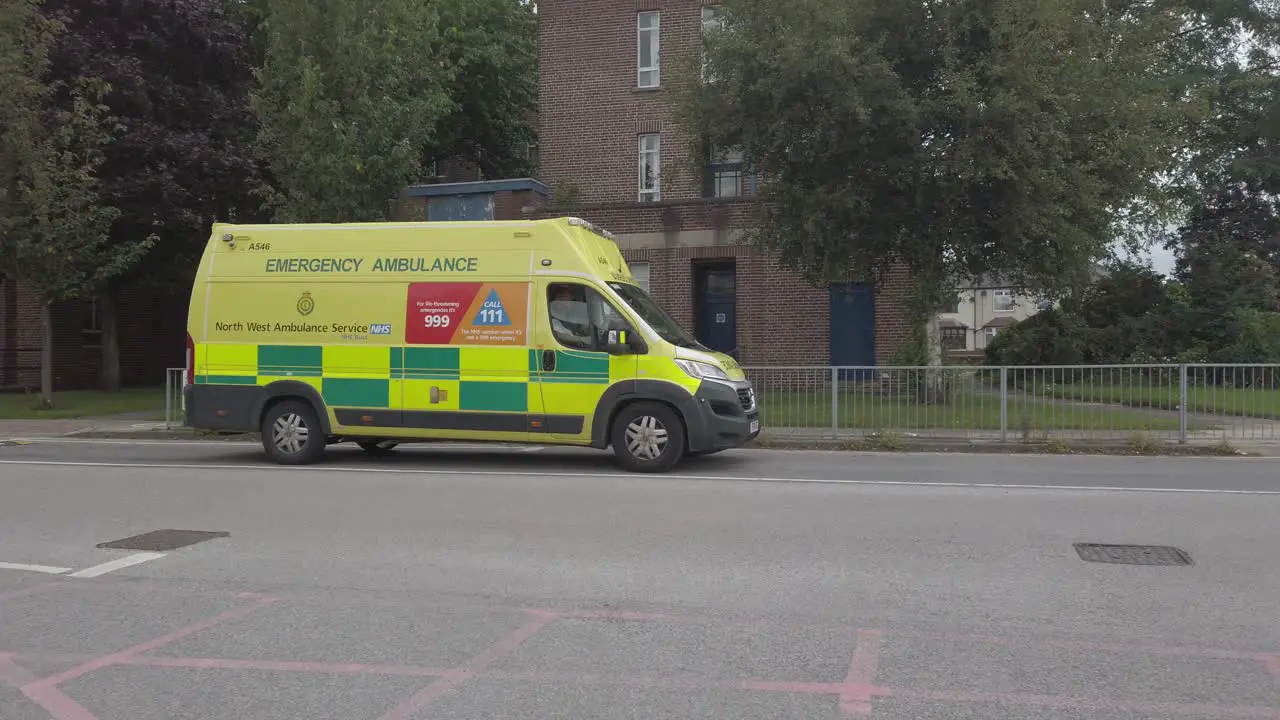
(1229, 265)
(179, 77)
(54, 228)
(493, 47)
(348, 97)
(960, 138)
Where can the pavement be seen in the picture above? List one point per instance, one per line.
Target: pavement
(457, 581)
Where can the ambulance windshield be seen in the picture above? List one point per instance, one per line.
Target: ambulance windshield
(655, 316)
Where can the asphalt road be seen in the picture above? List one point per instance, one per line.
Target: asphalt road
(508, 583)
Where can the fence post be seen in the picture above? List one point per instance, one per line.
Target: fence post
(1004, 404)
(1182, 404)
(168, 399)
(835, 402)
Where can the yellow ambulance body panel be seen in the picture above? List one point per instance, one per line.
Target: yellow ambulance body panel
(381, 333)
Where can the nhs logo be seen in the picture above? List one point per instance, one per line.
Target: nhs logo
(380, 329)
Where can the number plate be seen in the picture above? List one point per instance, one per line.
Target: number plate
(755, 426)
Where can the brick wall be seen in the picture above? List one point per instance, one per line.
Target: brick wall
(590, 115)
(590, 111)
(769, 296)
(152, 338)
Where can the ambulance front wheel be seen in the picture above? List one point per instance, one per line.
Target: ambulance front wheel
(291, 433)
(648, 437)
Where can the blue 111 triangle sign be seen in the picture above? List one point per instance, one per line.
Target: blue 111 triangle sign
(492, 313)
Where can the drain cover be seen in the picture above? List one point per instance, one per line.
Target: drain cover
(1132, 554)
(162, 540)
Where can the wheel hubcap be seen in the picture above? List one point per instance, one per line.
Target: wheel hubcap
(646, 438)
(289, 434)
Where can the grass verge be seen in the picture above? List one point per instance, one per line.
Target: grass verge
(962, 411)
(81, 404)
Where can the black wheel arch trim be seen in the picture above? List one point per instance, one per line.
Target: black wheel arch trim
(293, 388)
(682, 400)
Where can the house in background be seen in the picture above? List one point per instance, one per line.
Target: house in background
(979, 311)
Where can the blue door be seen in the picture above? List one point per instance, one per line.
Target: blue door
(853, 328)
(715, 303)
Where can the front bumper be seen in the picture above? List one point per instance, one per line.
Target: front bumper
(726, 416)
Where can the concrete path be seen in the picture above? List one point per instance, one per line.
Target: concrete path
(453, 583)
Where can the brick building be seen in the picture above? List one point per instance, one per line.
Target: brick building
(611, 153)
(151, 329)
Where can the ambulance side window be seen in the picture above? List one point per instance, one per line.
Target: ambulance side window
(580, 317)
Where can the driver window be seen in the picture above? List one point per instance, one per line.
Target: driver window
(580, 317)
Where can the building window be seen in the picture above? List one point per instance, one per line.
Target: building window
(91, 333)
(647, 46)
(650, 166)
(640, 270)
(955, 338)
(1002, 300)
(951, 304)
(712, 21)
(727, 175)
(990, 333)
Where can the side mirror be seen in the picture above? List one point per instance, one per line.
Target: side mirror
(618, 342)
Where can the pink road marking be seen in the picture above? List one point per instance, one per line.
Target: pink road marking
(318, 668)
(51, 700)
(117, 658)
(12, 674)
(795, 688)
(1272, 664)
(505, 645)
(855, 696)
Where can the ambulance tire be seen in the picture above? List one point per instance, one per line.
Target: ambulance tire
(292, 434)
(377, 447)
(648, 437)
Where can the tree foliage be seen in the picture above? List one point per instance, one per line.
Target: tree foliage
(54, 224)
(958, 138)
(179, 77)
(348, 97)
(492, 45)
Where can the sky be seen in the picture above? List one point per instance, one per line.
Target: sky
(1160, 258)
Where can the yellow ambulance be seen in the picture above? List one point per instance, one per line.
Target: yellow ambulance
(383, 333)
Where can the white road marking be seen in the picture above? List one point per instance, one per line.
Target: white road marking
(117, 564)
(49, 569)
(647, 478)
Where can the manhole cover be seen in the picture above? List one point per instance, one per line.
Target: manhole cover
(1132, 554)
(162, 540)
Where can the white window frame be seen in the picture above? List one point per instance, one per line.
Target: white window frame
(649, 33)
(990, 333)
(995, 301)
(640, 270)
(654, 155)
(960, 333)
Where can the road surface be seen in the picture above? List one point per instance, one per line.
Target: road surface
(506, 583)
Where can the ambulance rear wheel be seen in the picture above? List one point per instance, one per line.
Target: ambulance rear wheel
(291, 433)
(376, 447)
(648, 437)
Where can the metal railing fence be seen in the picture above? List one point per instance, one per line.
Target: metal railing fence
(1170, 403)
(175, 380)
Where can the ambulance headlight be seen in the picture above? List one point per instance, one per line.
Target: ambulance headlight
(701, 370)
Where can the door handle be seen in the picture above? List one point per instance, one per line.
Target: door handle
(548, 360)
